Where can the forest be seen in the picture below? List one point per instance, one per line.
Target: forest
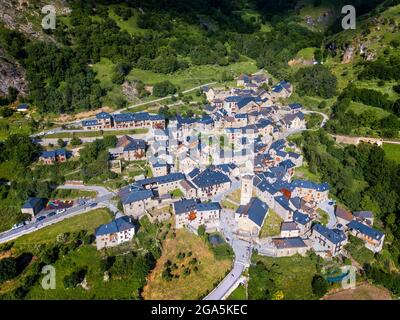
(361, 177)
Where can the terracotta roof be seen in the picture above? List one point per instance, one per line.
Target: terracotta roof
(344, 214)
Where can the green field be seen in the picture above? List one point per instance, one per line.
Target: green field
(16, 124)
(194, 75)
(272, 225)
(305, 173)
(292, 275)
(84, 256)
(324, 217)
(238, 294)
(306, 53)
(392, 151)
(73, 194)
(86, 221)
(358, 251)
(359, 108)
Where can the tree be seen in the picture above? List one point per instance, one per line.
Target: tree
(163, 89)
(201, 231)
(319, 286)
(20, 149)
(316, 81)
(8, 269)
(75, 278)
(60, 143)
(75, 141)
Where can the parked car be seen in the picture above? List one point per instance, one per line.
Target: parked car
(60, 211)
(51, 214)
(40, 218)
(93, 204)
(18, 225)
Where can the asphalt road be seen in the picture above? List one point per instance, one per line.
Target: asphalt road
(102, 200)
(242, 250)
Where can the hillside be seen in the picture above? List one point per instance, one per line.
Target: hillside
(117, 51)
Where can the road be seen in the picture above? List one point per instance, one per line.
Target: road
(330, 209)
(325, 117)
(242, 250)
(102, 200)
(163, 98)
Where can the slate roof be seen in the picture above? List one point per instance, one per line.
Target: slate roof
(335, 236)
(310, 185)
(117, 225)
(256, 211)
(366, 230)
(295, 106)
(32, 203)
(131, 144)
(283, 202)
(23, 106)
(136, 195)
(103, 115)
(289, 226)
(296, 201)
(278, 144)
(301, 218)
(91, 122)
(206, 206)
(194, 173)
(286, 243)
(184, 206)
(187, 205)
(53, 153)
(364, 214)
(210, 177)
(294, 155)
(162, 179)
(287, 164)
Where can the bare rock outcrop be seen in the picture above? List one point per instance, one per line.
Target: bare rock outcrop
(11, 75)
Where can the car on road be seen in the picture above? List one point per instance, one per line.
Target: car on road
(331, 203)
(40, 218)
(51, 214)
(60, 211)
(93, 204)
(18, 225)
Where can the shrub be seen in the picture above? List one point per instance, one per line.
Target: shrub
(319, 285)
(75, 278)
(8, 269)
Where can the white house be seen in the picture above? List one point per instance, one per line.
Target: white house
(372, 238)
(114, 233)
(189, 212)
(330, 240)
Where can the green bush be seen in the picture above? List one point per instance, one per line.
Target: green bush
(75, 278)
(8, 269)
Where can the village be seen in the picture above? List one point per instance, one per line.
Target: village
(238, 147)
